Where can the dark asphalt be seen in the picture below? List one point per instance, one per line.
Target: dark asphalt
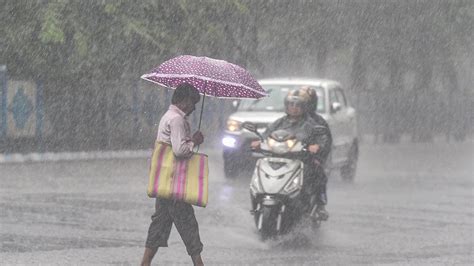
(409, 205)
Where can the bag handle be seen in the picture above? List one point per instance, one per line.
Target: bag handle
(194, 152)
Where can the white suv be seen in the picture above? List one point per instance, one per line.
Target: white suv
(332, 105)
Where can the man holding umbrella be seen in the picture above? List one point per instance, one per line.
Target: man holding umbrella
(191, 76)
(174, 130)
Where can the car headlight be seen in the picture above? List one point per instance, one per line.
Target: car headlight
(229, 141)
(233, 125)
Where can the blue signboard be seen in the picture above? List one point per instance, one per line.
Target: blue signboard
(21, 105)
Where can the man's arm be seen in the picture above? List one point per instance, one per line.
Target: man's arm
(320, 135)
(181, 143)
(324, 139)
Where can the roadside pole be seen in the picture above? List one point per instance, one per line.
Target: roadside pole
(3, 105)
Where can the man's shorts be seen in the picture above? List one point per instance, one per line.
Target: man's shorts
(181, 214)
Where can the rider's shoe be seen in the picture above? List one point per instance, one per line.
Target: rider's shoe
(322, 213)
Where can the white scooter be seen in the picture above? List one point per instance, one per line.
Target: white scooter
(279, 194)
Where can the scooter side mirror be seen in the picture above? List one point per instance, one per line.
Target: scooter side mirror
(252, 128)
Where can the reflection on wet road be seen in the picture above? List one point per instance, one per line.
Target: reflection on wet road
(408, 205)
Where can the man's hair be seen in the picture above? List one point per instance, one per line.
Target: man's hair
(185, 91)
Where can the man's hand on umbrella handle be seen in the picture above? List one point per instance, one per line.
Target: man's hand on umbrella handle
(313, 148)
(197, 138)
(255, 145)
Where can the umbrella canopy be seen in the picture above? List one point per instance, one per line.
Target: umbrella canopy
(212, 77)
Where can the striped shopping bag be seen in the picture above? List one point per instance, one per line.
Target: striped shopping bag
(180, 179)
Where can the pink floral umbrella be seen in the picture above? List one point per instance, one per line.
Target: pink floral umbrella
(212, 77)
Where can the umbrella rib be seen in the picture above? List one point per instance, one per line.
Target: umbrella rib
(209, 95)
(148, 76)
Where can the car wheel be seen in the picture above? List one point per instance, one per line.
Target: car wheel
(328, 166)
(231, 169)
(348, 171)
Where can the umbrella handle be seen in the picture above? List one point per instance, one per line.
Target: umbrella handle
(202, 109)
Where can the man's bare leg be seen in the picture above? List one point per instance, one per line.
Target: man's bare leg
(197, 260)
(148, 256)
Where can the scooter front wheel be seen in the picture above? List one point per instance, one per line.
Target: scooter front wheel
(266, 222)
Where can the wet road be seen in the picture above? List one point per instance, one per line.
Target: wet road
(408, 205)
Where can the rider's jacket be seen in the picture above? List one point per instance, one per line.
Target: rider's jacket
(309, 130)
(324, 138)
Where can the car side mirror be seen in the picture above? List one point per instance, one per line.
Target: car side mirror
(335, 107)
(235, 104)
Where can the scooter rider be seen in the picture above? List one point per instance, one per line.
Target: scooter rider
(299, 122)
(325, 144)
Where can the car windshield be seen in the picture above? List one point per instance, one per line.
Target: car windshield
(275, 100)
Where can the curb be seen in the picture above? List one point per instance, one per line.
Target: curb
(92, 155)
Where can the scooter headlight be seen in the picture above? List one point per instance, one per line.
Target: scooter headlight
(271, 142)
(281, 147)
(290, 143)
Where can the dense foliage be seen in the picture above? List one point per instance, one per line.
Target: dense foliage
(398, 55)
